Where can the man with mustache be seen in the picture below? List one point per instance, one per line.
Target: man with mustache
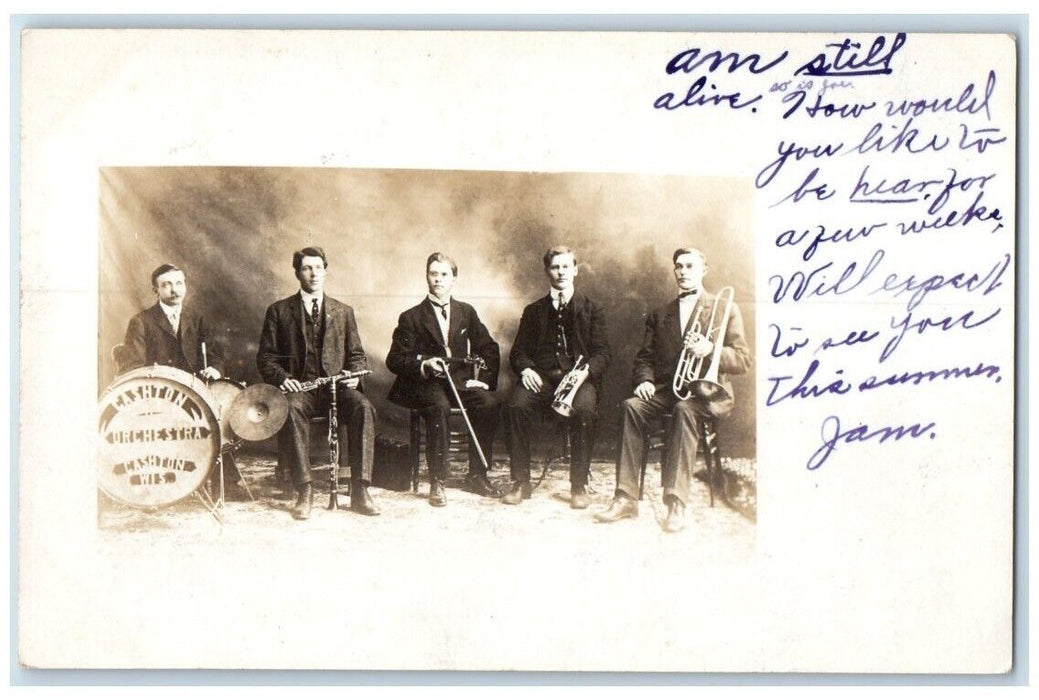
(175, 334)
(170, 332)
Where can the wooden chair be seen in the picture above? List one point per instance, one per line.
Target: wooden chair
(708, 447)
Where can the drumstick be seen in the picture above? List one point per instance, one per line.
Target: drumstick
(204, 362)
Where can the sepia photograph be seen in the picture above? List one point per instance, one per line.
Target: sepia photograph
(464, 369)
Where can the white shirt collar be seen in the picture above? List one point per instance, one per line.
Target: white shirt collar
(568, 294)
(308, 300)
(439, 303)
(170, 311)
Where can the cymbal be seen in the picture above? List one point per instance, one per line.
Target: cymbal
(258, 412)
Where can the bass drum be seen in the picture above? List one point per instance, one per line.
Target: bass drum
(225, 391)
(159, 436)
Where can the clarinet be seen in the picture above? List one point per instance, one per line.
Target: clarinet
(333, 427)
(341, 377)
(333, 450)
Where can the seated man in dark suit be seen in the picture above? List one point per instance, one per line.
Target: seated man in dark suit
(443, 327)
(171, 332)
(307, 336)
(175, 334)
(553, 333)
(668, 331)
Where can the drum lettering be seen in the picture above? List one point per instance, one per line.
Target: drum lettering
(153, 463)
(153, 479)
(178, 398)
(193, 432)
(106, 417)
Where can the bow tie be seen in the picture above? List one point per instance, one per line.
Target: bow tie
(685, 295)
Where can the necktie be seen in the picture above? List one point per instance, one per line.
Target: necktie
(684, 295)
(175, 321)
(561, 344)
(443, 309)
(313, 310)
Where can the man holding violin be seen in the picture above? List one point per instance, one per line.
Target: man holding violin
(443, 353)
(305, 337)
(684, 331)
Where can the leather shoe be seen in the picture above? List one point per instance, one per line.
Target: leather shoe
(675, 520)
(516, 494)
(361, 502)
(579, 498)
(481, 486)
(437, 496)
(621, 507)
(304, 502)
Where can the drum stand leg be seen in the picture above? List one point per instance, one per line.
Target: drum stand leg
(203, 495)
(220, 467)
(241, 477)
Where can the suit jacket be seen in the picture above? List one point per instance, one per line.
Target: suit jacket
(418, 337)
(538, 323)
(283, 341)
(150, 339)
(657, 359)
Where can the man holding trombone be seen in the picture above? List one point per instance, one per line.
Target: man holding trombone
(688, 347)
(306, 337)
(445, 357)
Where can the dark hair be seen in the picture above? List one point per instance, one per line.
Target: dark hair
(441, 257)
(308, 252)
(162, 270)
(557, 250)
(689, 251)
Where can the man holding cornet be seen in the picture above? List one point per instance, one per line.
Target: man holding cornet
(561, 340)
(305, 337)
(442, 354)
(680, 370)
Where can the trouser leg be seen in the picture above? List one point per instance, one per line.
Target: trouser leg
(357, 428)
(294, 437)
(483, 408)
(582, 429)
(435, 415)
(683, 436)
(631, 458)
(519, 411)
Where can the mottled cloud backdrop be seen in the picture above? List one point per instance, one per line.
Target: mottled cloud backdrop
(233, 231)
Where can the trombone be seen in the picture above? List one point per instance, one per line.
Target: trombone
(698, 376)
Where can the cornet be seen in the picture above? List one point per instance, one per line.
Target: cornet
(563, 399)
(699, 375)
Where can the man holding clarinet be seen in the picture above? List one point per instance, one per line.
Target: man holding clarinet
(306, 337)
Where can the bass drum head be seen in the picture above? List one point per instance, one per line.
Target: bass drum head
(225, 391)
(159, 436)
